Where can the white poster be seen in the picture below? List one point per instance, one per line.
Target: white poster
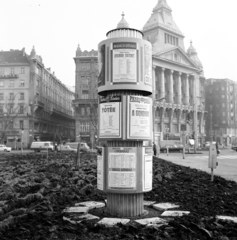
(124, 62)
(122, 170)
(139, 117)
(100, 172)
(147, 184)
(110, 120)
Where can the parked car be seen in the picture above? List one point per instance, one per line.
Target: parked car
(172, 148)
(234, 148)
(4, 148)
(83, 146)
(66, 148)
(38, 146)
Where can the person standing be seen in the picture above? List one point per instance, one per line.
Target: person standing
(154, 149)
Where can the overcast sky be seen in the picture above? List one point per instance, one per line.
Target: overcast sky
(56, 27)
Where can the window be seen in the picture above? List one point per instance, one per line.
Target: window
(10, 125)
(223, 113)
(1, 109)
(11, 83)
(12, 71)
(22, 70)
(21, 124)
(37, 84)
(1, 96)
(223, 104)
(85, 94)
(21, 110)
(88, 111)
(22, 96)
(1, 71)
(171, 39)
(11, 96)
(22, 83)
(85, 127)
(1, 83)
(82, 111)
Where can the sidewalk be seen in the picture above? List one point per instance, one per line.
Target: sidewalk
(226, 168)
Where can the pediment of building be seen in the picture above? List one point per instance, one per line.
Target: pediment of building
(176, 55)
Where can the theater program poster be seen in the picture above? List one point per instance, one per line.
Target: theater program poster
(122, 168)
(124, 62)
(139, 117)
(110, 117)
(147, 168)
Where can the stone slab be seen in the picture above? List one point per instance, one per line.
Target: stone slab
(148, 203)
(80, 218)
(152, 221)
(90, 204)
(228, 218)
(165, 206)
(113, 221)
(174, 213)
(80, 210)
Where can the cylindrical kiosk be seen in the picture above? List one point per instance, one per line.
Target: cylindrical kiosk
(124, 169)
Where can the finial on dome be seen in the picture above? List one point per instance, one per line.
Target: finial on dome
(122, 23)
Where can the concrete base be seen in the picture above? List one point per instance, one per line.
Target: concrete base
(125, 205)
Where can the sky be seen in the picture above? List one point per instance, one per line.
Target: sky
(56, 27)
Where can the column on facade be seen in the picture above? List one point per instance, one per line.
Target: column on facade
(179, 120)
(179, 92)
(187, 89)
(154, 81)
(171, 119)
(162, 83)
(171, 90)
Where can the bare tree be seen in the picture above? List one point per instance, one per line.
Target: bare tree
(9, 111)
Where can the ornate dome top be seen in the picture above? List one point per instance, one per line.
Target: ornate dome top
(123, 23)
(192, 53)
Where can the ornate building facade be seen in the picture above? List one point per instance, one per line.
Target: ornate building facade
(178, 79)
(86, 100)
(34, 104)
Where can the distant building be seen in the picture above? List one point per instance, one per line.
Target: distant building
(86, 103)
(39, 104)
(221, 107)
(178, 78)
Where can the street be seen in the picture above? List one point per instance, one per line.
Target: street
(227, 162)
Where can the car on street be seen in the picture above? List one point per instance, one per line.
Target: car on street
(66, 148)
(4, 148)
(172, 148)
(83, 146)
(234, 148)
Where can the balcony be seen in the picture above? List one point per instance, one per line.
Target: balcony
(9, 76)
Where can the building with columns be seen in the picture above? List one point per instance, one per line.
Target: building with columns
(178, 78)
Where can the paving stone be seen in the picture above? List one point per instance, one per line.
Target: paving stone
(152, 221)
(81, 210)
(148, 203)
(91, 204)
(174, 213)
(79, 218)
(234, 219)
(165, 206)
(112, 221)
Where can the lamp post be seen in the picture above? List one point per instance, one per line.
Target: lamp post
(22, 132)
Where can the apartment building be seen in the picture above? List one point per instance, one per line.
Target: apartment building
(86, 99)
(221, 108)
(34, 103)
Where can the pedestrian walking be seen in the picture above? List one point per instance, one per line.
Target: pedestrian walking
(154, 149)
(56, 147)
(217, 149)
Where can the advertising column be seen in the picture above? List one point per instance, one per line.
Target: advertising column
(124, 169)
